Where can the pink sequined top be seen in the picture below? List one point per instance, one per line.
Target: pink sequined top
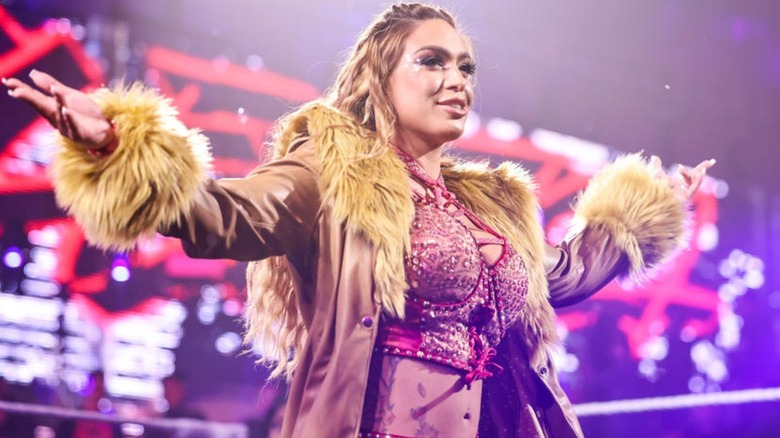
(458, 306)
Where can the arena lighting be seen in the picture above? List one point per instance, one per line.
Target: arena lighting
(656, 348)
(206, 314)
(586, 156)
(134, 387)
(76, 326)
(232, 307)
(120, 269)
(120, 273)
(80, 361)
(677, 402)
(140, 361)
(10, 334)
(132, 429)
(708, 237)
(151, 333)
(40, 288)
(228, 343)
(649, 369)
(254, 62)
(13, 257)
(30, 311)
(720, 189)
(505, 130)
(209, 303)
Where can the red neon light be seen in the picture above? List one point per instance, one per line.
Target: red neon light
(260, 82)
(12, 28)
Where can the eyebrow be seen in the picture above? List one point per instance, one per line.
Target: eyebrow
(443, 51)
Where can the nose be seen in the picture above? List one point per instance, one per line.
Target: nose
(454, 79)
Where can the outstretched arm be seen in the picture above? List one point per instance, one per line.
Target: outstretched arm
(629, 220)
(157, 178)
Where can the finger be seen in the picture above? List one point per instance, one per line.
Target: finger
(59, 123)
(695, 184)
(42, 103)
(66, 126)
(704, 165)
(55, 92)
(686, 175)
(45, 82)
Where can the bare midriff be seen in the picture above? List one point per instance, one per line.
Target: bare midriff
(415, 398)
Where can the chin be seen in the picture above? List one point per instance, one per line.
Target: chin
(441, 138)
(453, 133)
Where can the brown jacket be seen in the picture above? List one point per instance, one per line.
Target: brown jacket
(338, 227)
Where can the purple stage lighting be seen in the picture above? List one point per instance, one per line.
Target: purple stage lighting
(13, 257)
(120, 270)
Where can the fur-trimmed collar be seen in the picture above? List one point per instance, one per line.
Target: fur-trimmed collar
(372, 196)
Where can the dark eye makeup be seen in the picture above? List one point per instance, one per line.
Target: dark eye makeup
(437, 61)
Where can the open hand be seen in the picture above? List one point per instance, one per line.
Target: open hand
(687, 181)
(70, 111)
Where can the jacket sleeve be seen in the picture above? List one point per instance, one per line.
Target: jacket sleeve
(271, 212)
(627, 223)
(158, 180)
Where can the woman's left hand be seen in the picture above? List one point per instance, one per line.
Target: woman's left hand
(687, 181)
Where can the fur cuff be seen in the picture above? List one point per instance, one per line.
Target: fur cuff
(641, 212)
(146, 184)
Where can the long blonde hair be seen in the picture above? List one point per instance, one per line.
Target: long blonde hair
(272, 316)
(360, 88)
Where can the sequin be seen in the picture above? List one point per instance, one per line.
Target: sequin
(459, 307)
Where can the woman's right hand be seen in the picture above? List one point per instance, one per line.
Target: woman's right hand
(70, 111)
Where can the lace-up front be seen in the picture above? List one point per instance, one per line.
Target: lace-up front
(458, 306)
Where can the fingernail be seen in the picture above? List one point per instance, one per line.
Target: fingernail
(5, 81)
(713, 161)
(11, 93)
(64, 111)
(33, 72)
(52, 89)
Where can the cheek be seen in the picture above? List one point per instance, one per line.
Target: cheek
(422, 84)
(412, 96)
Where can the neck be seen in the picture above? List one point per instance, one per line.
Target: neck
(429, 156)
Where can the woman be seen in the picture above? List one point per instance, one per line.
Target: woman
(414, 292)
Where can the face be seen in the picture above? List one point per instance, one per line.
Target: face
(431, 85)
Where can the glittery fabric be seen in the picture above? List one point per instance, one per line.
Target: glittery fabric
(458, 306)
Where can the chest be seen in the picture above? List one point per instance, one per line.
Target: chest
(462, 273)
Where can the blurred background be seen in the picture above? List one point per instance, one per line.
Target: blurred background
(563, 87)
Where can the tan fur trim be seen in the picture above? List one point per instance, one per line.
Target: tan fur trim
(504, 198)
(370, 194)
(146, 184)
(641, 212)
